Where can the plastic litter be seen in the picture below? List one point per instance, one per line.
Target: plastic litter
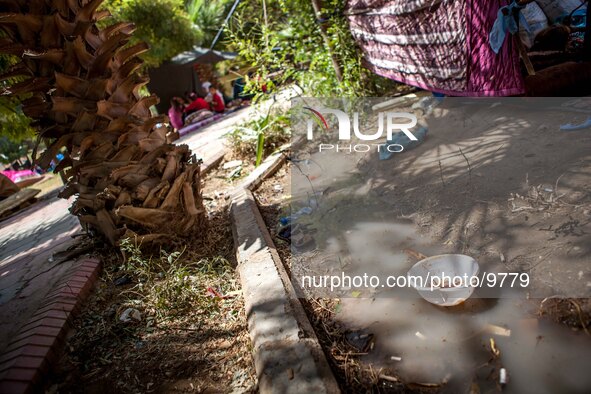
(493, 348)
(288, 219)
(402, 139)
(573, 127)
(123, 280)
(428, 104)
(232, 164)
(506, 23)
(419, 335)
(139, 345)
(360, 340)
(304, 211)
(446, 266)
(388, 378)
(129, 315)
(503, 376)
(302, 241)
(284, 221)
(498, 330)
(285, 232)
(235, 172)
(213, 293)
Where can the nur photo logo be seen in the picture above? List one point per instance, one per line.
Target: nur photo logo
(349, 127)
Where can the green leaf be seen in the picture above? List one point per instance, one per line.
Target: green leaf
(260, 149)
(338, 308)
(163, 24)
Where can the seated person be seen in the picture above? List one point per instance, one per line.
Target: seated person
(217, 100)
(197, 104)
(175, 112)
(238, 89)
(205, 85)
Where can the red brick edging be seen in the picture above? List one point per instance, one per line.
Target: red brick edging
(27, 357)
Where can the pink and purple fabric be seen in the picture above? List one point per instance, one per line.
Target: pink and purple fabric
(437, 45)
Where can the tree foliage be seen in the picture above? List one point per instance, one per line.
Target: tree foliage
(163, 24)
(288, 41)
(80, 84)
(10, 150)
(207, 17)
(14, 125)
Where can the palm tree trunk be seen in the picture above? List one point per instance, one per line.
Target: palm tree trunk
(82, 88)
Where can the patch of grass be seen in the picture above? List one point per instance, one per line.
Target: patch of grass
(191, 337)
(192, 333)
(170, 284)
(51, 183)
(259, 137)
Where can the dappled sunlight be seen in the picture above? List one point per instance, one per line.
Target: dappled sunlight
(502, 185)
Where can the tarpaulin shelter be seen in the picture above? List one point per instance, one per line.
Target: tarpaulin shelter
(199, 55)
(177, 76)
(437, 45)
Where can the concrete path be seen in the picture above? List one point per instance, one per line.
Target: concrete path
(208, 141)
(27, 274)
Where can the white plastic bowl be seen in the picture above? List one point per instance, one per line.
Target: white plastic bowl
(450, 266)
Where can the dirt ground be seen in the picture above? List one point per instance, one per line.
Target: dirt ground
(192, 335)
(500, 183)
(515, 196)
(221, 180)
(516, 191)
(273, 199)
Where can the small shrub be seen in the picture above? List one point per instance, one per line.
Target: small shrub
(260, 137)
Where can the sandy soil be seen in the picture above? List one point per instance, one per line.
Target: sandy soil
(511, 191)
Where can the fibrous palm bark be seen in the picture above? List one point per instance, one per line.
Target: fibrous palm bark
(81, 86)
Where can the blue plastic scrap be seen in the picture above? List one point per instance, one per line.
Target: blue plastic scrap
(288, 219)
(573, 127)
(401, 139)
(504, 23)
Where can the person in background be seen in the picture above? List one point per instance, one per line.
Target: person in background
(238, 90)
(205, 85)
(217, 100)
(197, 104)
(175, 112)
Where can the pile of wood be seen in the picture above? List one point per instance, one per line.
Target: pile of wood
(82, 86)
(16, 202)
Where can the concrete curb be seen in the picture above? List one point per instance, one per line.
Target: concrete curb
(28, 356)
(267, 168)
(211, 162)
(288, 357)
